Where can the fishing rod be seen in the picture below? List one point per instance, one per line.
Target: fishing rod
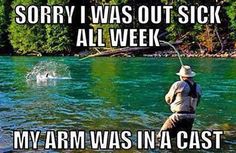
(177, 52)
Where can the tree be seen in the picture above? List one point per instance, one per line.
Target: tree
(73, 28)
(196, 36)
(3, 29)
(206, 38)
(232, 16)
(106, 27)
(182, 31)
(27, 38)
(4, 24)
(57, 35)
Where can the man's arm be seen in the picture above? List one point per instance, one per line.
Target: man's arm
(199, 92)
(170, 96)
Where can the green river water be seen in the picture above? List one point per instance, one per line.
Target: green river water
(113, 94)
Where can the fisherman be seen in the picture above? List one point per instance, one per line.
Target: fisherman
(183, 98)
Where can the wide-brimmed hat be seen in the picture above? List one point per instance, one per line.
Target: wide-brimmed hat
(186, 71)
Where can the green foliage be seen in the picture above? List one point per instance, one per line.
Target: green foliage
(177, 30)
(60, 38)
(26, 38)
(118, 2)
(57, 38)
(106, 27)
(39, 38)
(231, 12)
(112, 2)
(57, 35)
(3, 25)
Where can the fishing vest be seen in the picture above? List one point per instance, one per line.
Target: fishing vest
(193, 89)
(186, 103)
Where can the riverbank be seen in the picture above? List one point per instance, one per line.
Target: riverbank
(156, 54)
(136, 53)
(192, 54)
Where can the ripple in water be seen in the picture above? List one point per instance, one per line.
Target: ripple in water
(48, 70)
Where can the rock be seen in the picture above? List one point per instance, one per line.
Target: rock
(226, 55)
(233, 55)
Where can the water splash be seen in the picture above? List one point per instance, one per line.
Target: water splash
(51, 70)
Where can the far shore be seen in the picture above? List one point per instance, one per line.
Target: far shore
(195, 55)
(168, 53)
(151, 54)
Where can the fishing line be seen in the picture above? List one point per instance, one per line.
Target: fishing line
(165, 42)
(161, 41)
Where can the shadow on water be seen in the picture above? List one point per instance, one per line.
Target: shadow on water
(113, 93)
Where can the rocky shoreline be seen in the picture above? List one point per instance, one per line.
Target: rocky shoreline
(151, 54)
(200, 55)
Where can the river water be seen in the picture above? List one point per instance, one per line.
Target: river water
(113, 94)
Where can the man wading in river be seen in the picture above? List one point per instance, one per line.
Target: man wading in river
(183, 98)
